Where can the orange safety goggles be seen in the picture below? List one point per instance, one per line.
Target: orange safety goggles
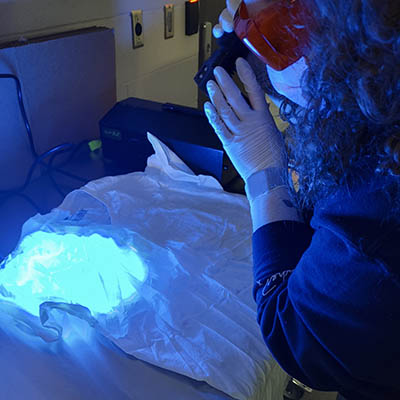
(278, 34)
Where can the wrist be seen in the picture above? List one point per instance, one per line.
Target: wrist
(278, 162)
(266, 180)
(273, 206)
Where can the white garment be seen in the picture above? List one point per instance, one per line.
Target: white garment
(194, 314)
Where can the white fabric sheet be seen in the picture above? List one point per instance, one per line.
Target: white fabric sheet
(202, 323)
(87, 366)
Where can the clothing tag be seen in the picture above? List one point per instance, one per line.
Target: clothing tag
(78, 216)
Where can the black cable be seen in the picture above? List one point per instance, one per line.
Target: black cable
(50, 170)
(74, 151)
(69, 159)
(39, 159)
(26, 198)
(31, 202)
(72, 176)
(23, 112)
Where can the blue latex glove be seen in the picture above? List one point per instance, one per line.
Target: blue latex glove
(248, 133)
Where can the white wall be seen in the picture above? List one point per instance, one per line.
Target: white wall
(162, 70)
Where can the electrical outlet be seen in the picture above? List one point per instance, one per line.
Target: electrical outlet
(169, 21)
(137, 28)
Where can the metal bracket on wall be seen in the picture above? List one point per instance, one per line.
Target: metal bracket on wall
(205, 42)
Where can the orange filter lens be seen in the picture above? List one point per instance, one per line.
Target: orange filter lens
(277, 34)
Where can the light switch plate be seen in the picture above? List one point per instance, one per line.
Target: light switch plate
(169, 18)
(137, 28)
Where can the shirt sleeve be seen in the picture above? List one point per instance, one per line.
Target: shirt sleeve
(278, 247)
(318, 310)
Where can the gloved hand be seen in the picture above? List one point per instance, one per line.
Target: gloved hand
(226, 18)
(248, 133)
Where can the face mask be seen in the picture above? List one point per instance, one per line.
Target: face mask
(287, 81)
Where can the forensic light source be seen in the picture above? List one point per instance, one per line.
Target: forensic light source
(92, 271)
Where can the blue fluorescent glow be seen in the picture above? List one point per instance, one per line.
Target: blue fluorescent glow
(92, 271)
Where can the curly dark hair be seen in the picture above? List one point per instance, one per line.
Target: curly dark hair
(351, 126)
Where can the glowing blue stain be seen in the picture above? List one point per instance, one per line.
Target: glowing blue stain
(92, 271)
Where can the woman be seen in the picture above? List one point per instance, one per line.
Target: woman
(327, 257)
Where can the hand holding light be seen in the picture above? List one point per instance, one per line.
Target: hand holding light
(226, 18)
(248, 132)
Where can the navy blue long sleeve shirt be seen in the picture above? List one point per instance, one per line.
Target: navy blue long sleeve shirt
(328, 294)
